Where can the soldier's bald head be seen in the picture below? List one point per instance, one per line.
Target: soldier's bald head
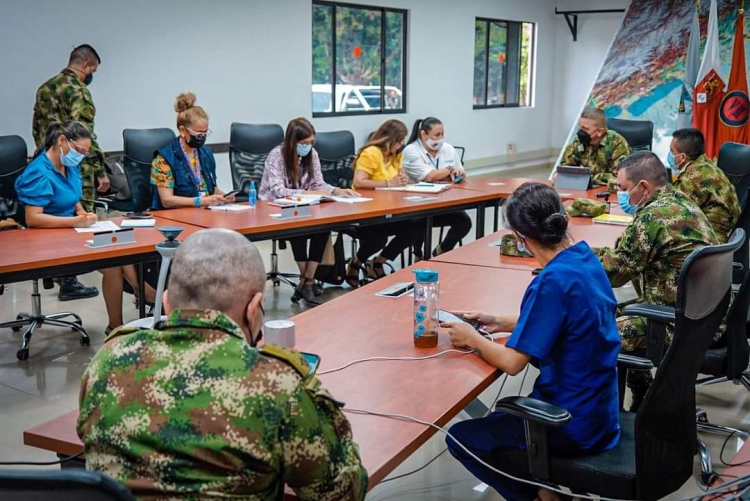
(216, 269)
(644, 166)
(596, 115)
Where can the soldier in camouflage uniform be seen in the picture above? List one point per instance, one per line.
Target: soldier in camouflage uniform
(704, 183)
(596, 147)
(66, 97)
(666, 228)
(192, 410)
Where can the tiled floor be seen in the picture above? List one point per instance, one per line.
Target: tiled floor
(46, 386)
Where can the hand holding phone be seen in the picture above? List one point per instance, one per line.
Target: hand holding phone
(446, 316)
(232, 193)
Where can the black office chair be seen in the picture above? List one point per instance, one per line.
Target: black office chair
(638, 133)
(462, 151)
(336, 152)
(140, 146)
(249, 146)
(734, 160)
(65, 485)
(12, 161)
(657, 444)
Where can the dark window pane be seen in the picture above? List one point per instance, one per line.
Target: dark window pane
(394, 61)
(498, 55)
(322, 57)
(480, 57)
(358, 50)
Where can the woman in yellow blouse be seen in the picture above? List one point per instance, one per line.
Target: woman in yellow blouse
(378, 165)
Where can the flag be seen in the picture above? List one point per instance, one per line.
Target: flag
(735, 107)
(709, 91)
(692, 62)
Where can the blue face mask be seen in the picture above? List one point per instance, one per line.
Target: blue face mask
(623, 200)
(303, 149)
(72, 159)
(521, 247)
(670, 160)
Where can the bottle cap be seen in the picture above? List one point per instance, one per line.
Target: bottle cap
(426, 276)
(252, 185)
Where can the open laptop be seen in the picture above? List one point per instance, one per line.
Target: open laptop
(571, 177)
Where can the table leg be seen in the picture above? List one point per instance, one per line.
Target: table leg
(480, 220)
(496, 217)
(428, 237)
(142, 289)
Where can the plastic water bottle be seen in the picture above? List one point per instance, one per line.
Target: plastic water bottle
(426, 294)
(252, 195)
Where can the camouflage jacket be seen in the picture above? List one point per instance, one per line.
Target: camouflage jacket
(191, 411)
(602, 158)
(655, 244)
(65, 97)
(710, 189)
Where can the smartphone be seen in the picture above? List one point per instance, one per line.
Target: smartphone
(313, 360)
(232, 193)
(536, 271)
(458, 179)
(446, 316)
(138, 215)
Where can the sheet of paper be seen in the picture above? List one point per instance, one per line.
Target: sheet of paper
(138, 223)
(351, 200)
(420, 199)
(495, 184)
(230, 207)
(99, 226)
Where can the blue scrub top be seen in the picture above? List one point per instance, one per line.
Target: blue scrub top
(42, 185)
(567, 325)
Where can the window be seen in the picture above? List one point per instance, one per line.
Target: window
(503, 62)
(359, 59)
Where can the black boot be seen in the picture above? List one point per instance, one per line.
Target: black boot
(298, 291)
(71, 288)
(308, 294)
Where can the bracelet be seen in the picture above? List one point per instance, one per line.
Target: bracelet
(197, 201)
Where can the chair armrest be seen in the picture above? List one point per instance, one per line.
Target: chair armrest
(658, 313)
(534, 410)
(631, 362)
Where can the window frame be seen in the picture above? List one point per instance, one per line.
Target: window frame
(383, 24)
(532, 56)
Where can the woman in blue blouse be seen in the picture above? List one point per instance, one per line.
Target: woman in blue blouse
(566, 328)
(50, 190)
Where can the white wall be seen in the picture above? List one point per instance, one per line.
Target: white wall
(250, 61)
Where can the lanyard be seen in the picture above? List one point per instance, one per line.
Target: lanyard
(195, 168)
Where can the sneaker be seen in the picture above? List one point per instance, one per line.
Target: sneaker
(71, 289)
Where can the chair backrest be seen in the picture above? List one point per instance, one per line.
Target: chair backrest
(737, 347)
(13, 160)
(249, 146)
(638, 133)
(665, 429)
(70, 484)
(140, 145)
(734, 160)
(462, 151)
(336, 152)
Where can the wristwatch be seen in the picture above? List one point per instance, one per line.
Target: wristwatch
(450, 169)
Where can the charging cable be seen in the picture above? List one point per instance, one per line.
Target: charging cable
(373, 359)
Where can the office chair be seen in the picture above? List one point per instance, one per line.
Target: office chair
(140, 146)
(734, 160)
(12, 162)
(116, 169)
(462, 151)
(638, 133)
(65, 485)
(657, 444)
(249, 146)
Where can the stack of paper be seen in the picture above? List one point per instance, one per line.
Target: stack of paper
(99, 226)
(420, 188)
(138, 223)
(229, 207)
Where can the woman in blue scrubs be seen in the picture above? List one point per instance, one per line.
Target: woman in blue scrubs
(50, 190)
(566, 328)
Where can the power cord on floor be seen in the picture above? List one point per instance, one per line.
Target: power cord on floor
(45, 463)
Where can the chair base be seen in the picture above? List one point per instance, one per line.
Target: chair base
(703, 425)
(274, 275)
(36, 319)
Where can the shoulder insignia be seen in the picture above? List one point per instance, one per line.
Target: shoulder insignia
(291, 357)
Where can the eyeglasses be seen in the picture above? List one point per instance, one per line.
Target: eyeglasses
(77, 148)
(311, 142)
(199, 134)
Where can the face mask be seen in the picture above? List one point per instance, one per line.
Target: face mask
(303, 149)
(584, 137)
(254, 342)
(623, 200)
(670, 160)
(195, 141)
(89, 78)
(521, 247)
(435, 144)
(72, 159)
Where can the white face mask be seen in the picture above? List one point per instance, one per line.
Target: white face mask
(435, 144)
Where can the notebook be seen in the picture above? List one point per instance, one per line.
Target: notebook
(618, 219)
(420, 188)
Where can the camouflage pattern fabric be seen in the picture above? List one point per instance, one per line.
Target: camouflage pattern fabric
(65, 97)
(586, 207)
(651, 251)
(612, 186)
(509, 247)
(190, 410)
(710, 189)
(602, 158)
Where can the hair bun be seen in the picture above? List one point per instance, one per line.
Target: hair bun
(185, 101)
(554, 228)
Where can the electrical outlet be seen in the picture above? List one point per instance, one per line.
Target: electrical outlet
(511, 148)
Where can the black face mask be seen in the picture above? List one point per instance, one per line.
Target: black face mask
(256, 340)
(196, 142)
(584, 137)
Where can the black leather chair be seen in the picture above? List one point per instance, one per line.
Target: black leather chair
(140, 147)
(658, 443)
(638, 133)
(734, 160)
(65, 485)
(13, 159)
(336, 152)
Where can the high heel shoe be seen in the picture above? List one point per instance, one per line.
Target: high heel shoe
(375, 270)
(298, 292)
(352, 273)
(317, 289)
(308, 294)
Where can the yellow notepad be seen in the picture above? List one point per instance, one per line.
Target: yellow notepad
(620, 219)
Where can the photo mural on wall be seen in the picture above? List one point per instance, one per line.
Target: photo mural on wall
(641, 78)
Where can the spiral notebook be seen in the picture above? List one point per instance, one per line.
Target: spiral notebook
(618, 219)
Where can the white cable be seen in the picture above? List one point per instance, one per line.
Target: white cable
(402, 417)
(372, 359)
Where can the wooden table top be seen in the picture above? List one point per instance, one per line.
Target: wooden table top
(482, 253)
(360, 325)
(505, 186)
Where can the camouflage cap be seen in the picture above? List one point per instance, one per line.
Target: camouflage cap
(586, 207)
(509, 247)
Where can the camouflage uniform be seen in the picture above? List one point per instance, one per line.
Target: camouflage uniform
(602, 158)
(586, 207)
(191, 411)
(65, 97)
(710, 189)
(651, 251)
(509, 247)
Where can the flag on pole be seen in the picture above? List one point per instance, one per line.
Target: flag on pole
(735, 107)
(692, 63)
(709, 91)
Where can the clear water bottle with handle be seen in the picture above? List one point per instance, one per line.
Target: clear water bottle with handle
(426, 295)
(252, 195)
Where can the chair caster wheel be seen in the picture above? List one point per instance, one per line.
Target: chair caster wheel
(276, 283)
(22, 354)
(79, 323)
(85, 341)
(20, 316)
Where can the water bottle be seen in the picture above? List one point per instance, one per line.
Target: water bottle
(252, 195)
(426, 293)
